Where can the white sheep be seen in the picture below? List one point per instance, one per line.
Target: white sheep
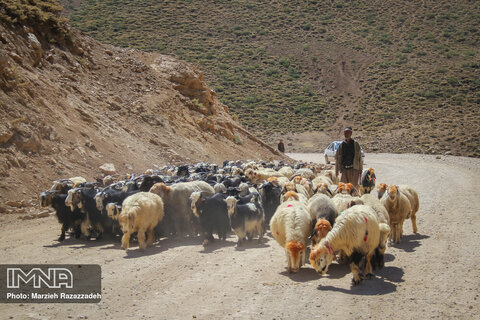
(286, 171)
(414, 204)
(141, 212)
(220, 188)
(291, 226)
(357, 233)
(179, 217)
(258, 176)
(305, 173)
(399, 208)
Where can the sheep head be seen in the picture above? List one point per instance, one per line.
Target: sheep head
(297, 179)
(382, 187)
(46, 197)
(113, 210)
(231, 205)
(195, 199)
(290, 195)
(295, 251)
(321, 257)
(322, 227)
(273, 180)
(393, 192)
(160, 189)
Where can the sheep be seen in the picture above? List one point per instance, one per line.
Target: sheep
(381, 189)
(414, 204)
(246, 219)
(179, 217)
(323, 188)
(141, 212)
(220, 188)
(305, 173)
(368, 179)
(291, 226)
(298, 188)
(66, 217)
(398, 207)
(212, 213)
(331, 175)
(64, 185)
(382, 216)
(258, 176)
(357, 233)
(322, 179)
(344, 201)
(270, 195)
(286, 171)
(347, 188)
(321, 207)
(292, 195)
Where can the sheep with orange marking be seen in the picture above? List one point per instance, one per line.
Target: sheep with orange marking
(291, 226)
(368, 179)
(293, 196)
(141, 212)
(399, 208)
(298, 188)
(412, 196)
(357, 233)
(321, 207)
(381, 189)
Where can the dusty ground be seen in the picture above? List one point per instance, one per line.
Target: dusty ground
(432, 274)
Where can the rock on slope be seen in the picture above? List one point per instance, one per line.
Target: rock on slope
(66, 110)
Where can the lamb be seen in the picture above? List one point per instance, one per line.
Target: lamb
(246, 219)
(141, 212)
(291, 226)
(357, 233)
(399, 208)
(179, 217)
(321, 207)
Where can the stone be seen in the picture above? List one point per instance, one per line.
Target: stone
(108, 168)
(15, 204)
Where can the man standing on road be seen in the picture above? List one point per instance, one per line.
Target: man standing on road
(348, 159)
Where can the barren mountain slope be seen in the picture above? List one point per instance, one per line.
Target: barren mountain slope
(67, 111)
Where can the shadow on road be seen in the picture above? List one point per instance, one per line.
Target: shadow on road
(410, 242)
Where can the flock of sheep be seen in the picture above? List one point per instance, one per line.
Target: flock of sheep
(301, 204)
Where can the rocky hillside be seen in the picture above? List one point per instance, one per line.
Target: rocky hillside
(405, 74)
(70, 104)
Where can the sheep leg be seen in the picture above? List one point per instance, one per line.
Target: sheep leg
(64, 229)
(126, 240)
(77, 230)
(414, 222)
(150, 236)
(260, 232)
(368, 265)
(141, 240)
(357, 275)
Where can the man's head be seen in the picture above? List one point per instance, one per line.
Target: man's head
(348, 133)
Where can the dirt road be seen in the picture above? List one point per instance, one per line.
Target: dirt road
(432, 274)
